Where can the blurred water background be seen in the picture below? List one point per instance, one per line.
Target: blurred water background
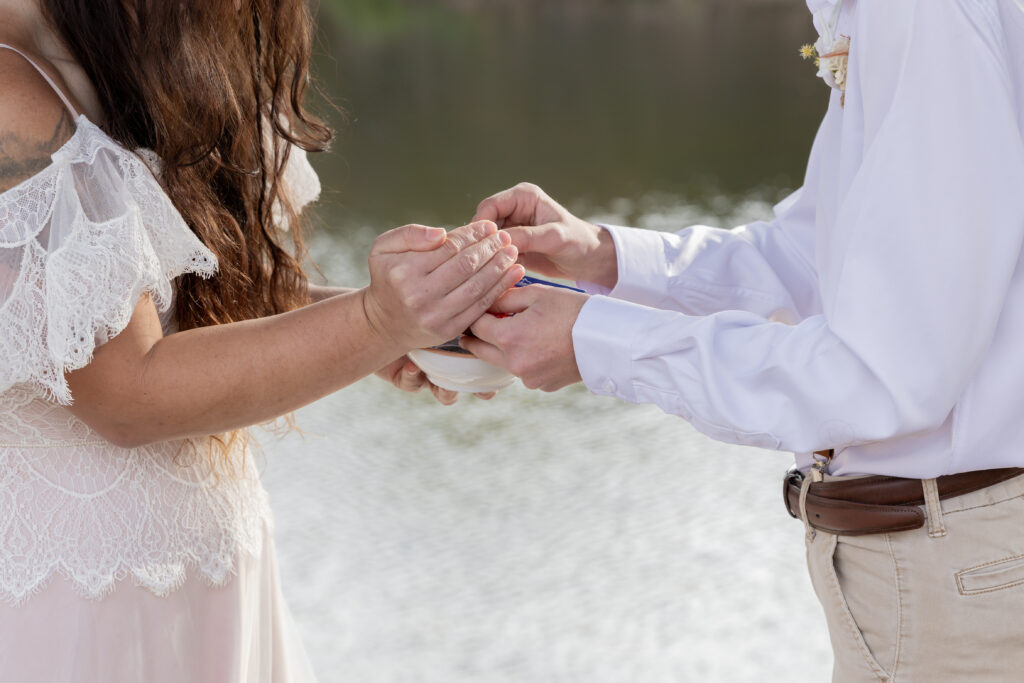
(546, 537)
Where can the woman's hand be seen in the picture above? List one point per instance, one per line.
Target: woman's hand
(551, 240)
(406, 375)
(428, 286)
(402, 373)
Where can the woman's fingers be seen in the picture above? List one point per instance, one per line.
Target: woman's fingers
(408, 238)
(424, 298)
(474, 305)
(462, 266)
(406, 301)
(410, 378)
(475, 269)
(403, 374)
(458, 241)
(444, 396)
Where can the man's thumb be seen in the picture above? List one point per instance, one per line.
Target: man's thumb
(540, 239)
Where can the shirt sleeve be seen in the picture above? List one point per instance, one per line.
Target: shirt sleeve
(764, 267)
(918, 261)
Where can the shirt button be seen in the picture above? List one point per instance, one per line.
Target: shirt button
(609, 386)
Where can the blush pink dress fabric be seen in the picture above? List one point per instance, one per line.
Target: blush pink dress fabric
(119, 565)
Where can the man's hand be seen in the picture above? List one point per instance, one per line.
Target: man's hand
(536, 342)
(405, 375)
(551, 240)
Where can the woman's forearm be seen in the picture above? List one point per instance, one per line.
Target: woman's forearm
(320, 292)
(427, 285)
(214, 379)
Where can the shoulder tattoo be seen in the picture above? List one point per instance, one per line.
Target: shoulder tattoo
(22, 158)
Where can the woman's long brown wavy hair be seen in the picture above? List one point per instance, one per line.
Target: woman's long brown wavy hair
(207, 85)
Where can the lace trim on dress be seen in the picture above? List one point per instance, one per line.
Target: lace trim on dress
(299, 181)
(95, 514)
(81, 242)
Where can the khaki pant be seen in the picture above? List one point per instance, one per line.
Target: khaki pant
(940, 603)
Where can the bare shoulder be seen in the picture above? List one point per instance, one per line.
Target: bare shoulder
(34, 123)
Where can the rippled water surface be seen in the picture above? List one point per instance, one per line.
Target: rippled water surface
(547, 537)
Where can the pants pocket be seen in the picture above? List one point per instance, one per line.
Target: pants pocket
(855, 585)
(991, 576)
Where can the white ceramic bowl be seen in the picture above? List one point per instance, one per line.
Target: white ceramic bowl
(460, 371)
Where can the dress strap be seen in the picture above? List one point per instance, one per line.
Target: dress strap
(60, 93)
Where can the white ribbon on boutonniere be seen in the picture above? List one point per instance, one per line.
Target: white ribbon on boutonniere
(831, 52)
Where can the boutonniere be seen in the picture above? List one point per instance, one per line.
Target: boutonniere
(832, 61)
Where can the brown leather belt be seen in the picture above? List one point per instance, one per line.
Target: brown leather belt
(878, 504)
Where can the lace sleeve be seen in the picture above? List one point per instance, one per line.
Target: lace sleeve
(79, 244)
(301, 180)
(300, 183)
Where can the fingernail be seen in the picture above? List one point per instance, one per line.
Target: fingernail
(504, 237)
(510, 252)
(489, 227)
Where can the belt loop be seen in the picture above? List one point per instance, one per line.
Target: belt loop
(805, 486)
(933, 508)
(822, 459)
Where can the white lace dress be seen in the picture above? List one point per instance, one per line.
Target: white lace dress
(117, 564)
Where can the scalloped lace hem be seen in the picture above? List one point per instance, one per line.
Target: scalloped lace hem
(96, 514)
(161, 581)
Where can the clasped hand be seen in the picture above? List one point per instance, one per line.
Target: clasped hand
(428, 286)
(536, 342)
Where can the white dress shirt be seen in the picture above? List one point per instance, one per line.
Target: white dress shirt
(881, 312)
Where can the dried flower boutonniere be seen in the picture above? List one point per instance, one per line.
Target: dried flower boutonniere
(831, 61)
